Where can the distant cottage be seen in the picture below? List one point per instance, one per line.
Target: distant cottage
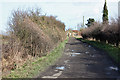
(73, 33)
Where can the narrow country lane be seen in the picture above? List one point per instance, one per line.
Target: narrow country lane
(81, 60)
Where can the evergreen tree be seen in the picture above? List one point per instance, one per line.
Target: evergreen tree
(105, 13)
(90, 22)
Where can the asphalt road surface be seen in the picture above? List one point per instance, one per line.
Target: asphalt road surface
(81, 60)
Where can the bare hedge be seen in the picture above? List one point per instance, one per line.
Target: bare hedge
(108, 33)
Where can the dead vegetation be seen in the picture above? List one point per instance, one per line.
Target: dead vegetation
(30, 35)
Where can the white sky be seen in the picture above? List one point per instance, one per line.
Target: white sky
(70, 12)
(58, 0)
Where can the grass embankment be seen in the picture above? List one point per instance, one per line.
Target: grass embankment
(31, 69)
(113, 51)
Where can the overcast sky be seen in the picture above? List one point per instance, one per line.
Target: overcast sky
(70, 12)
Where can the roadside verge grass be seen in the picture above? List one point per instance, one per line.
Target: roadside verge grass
(32, 68)
(113, 52)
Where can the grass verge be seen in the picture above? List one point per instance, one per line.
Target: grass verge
(114, 52)
(31, 69)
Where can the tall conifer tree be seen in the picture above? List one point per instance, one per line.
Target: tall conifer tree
(105, 13)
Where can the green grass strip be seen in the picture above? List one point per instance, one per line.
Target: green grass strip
(31, 69)
(113, 51)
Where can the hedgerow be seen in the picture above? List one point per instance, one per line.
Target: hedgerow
(31, 34)
(104, 32)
